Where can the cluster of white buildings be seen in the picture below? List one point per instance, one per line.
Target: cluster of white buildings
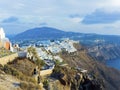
(49, 51)
(59, 45)
(46, 50)
(45, 55)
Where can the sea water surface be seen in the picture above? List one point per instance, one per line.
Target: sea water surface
(115, 63)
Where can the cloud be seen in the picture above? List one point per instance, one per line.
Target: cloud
(10, 20)
(74, 16)
(76, 20)
(72, 13)
(43, 24)
(101, 17)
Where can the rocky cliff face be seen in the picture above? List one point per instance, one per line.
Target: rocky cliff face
(81, 59)
(83, 72)
(56, 85)
(74, 79)
(105, 52)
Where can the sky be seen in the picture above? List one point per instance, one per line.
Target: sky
(85, 16)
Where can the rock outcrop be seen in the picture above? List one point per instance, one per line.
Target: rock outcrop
(74, 79)
(105, 52)
(81, 59)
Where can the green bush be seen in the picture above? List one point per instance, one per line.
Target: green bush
(46, 84)
(57, 69)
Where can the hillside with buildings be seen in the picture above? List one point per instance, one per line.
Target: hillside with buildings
(102, 47)
(43, 65)
(49, 33)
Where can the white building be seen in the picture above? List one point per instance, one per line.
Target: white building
(2, 34)
(4, 42)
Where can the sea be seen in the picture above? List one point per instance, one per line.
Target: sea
(115, 63)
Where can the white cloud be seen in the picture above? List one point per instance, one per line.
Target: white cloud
(56, 13)
(76, 19)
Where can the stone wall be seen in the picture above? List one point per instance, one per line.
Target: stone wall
(4, 60)
(22, 54)
(46, 72)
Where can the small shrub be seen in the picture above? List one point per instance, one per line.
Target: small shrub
(46, 83)
(32, 80)
(23, 85)
(57, 69)
(12, 71)
(1, 67)
(29, 86)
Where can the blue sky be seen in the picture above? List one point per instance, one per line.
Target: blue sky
(86, 16)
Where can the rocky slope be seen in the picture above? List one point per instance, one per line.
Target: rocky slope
(7, 82)
(81, 59)
(73, 79)
(18, 75)
(105, 51)
(83, 72)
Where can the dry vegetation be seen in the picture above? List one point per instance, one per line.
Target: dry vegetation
(83, 60)
(4, 52)
(29, 86)
(23, 65)
(21, 69)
